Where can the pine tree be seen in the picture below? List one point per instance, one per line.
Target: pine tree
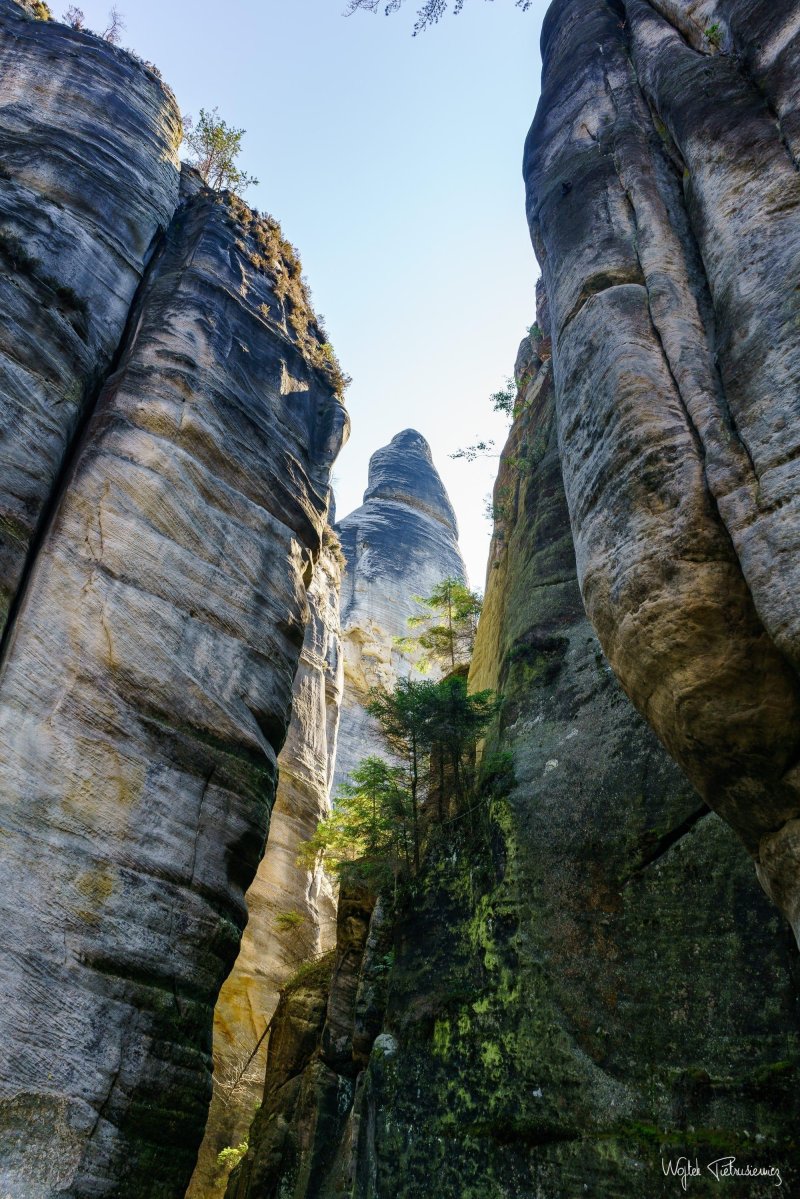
(214, 147)
(456, 722)
(404, 718)
(366, 835)
(448, 628)
(374, 834)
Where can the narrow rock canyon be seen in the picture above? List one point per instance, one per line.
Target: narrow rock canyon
(591, 967)
(601, 985)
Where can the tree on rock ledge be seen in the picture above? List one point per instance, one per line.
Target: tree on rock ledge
(383, 816)
(214, 147)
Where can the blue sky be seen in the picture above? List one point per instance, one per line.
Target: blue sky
(393, 164)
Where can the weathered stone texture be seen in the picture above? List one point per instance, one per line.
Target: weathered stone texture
(582, 998)
(88, 140)
(634, 901)
(302, 1136)
(401, 542)
(144, 697)
(664, 204)
(593, 986)
(291, 910)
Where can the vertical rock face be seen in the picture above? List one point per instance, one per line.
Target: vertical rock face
(401, 542)
(144, 695)
(664, 204)
(597, 985)
(634, 900)
(88, 140)
(302, 1137)
(291, 911)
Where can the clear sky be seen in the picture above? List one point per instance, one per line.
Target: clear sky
(394, 165)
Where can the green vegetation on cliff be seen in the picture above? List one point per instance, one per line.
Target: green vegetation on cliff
(214, 147)
(386, 815)
(447, 626)
(586, 981)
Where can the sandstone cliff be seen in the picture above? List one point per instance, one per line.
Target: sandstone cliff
(664, 205)
(168, 518)
(597, 984)
(291, 911)
(89, 140)
(302, 1135)
(586, 981)
(401, 542)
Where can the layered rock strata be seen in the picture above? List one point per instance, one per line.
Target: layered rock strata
(88, 141)
(400, 543)
(595, 987)
(147, 671)
(302, 1135)
(664, 206)
(291, 910)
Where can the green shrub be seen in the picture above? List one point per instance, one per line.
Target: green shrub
(714, 34)
(286, 921)
(232, 1155)
(504, 399)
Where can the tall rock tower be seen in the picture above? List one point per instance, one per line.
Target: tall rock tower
(670, 270)
(168, 421)
(291, 910)
(401, 542)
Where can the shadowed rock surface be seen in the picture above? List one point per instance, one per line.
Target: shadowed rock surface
(401, 542)
(302, 1135)
(664, 205)
(144, 697)
(596, 985)
(585, 983)
(88, 140)
(291, 911)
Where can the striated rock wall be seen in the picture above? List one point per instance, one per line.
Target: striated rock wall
(88, 139)
(595, 986)
(173, 517)
(664, 206)
(401, 542)
(291, 911)
(660, 1012)
(304, 1136)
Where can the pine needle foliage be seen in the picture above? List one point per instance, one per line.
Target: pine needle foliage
(386, 814)
(214, 147)
(446, 629)
(366, 836)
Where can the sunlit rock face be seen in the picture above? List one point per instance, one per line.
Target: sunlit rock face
(291, 910)
(664, 205)
(401, 542)
(88, 142)
(148, 669)
(595, 985)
